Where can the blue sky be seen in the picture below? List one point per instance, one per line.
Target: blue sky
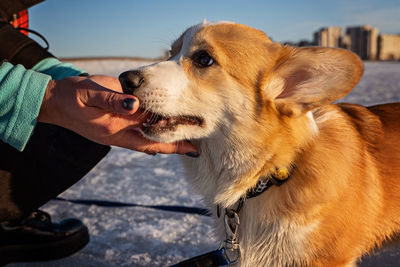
(147, 28)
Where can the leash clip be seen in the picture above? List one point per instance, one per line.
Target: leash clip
(230, 245)
(231, 228)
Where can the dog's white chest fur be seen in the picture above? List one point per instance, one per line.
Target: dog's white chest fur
(265, 238)
(273, 243)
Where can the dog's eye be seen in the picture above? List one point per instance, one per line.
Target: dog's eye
(203, 59)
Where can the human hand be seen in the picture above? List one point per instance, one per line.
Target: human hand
(87, 107)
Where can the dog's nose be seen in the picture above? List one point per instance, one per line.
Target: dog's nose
(131, 80)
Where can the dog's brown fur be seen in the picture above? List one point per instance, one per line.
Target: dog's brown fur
(347, 178)
(266, 105)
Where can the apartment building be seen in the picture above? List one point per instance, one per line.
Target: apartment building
(363, 40)
(389, 47)
(328, 37)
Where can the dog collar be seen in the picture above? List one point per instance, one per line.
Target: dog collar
(279, 177)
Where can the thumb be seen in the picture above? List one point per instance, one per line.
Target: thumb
(113, 102)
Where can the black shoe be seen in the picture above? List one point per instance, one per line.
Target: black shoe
(36, 238)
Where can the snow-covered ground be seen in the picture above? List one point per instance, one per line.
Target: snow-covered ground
(147, 237)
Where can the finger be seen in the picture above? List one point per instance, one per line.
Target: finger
(113, 102)
(174, 148)
(124, 123)
(107, 82)
(136, 141)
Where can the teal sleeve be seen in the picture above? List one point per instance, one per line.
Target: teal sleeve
(21, 95)
(57, 69)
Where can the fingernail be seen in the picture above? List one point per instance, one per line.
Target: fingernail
(128, 103)
(193, 154)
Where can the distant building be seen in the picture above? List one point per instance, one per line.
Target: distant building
(305, 43)
(345, 42)
(364, 41)
(389, 47)
(328, 37)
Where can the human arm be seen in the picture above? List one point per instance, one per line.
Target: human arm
(76, 103)
(21, 93)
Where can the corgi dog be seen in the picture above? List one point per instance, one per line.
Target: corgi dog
(252, 107)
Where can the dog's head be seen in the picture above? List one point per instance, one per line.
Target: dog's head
(220, 74)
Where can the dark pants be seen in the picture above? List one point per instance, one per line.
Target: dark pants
(54, 158)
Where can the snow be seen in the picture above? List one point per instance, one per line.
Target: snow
(379, 84)
(147, 237)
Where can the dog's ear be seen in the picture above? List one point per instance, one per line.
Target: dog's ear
(305, 78)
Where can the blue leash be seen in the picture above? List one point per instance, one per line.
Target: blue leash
(116, 204)
(210, 259)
